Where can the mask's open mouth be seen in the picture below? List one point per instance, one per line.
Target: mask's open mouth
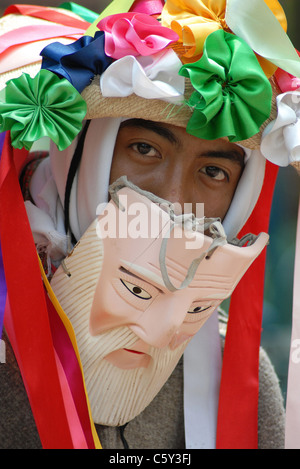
(134, 351)
(129, 358)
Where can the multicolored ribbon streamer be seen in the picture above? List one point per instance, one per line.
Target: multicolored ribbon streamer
(71, 369)
(49, 14)
(3, 289)
(31, 324)
(238, 402)
(36, 33)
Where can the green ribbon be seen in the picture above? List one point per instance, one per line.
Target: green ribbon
(232, 96)
(83, 12)
(43, 106)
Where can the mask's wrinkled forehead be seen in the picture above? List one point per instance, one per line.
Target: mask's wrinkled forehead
(143, 235)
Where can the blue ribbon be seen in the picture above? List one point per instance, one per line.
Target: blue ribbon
(78, 62)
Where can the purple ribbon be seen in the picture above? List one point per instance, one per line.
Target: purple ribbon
(3, 289)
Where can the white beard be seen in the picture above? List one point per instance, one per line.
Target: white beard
(116, 395)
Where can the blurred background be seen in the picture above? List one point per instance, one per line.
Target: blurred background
(280, 255)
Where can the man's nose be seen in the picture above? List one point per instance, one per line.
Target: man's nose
(173, 192)
(158, 325)
(170, 186)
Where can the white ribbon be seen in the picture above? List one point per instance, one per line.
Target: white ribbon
(152, 77)
(281, 138)
(202, 376)
(254, 22)
(292, 439)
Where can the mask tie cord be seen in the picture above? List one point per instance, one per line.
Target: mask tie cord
(219, 239)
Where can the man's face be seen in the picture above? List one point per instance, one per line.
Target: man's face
(131, 330)
(178, 167)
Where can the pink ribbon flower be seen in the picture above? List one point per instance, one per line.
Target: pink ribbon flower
(134, 34)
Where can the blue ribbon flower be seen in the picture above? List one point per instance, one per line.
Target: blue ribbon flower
(78, 62)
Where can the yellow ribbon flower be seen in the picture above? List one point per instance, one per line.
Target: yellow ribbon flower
(194, 20)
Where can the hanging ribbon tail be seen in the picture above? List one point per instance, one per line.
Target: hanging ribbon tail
(3, 293)
(292, 429)
(3, 289)
(237, 426)
(65, 345)
(34, 330)
(257, 25)
(49, 14)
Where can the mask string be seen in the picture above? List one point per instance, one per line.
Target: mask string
(219, 239)
(248, 238)
(123, 182)
(213, 224)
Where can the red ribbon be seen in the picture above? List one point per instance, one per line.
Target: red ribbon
(66, 354)
(238, 403)
(48, 14)
(26, 317)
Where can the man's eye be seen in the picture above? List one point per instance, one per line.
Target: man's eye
(198, 309)
(215, 173)
(145, 149)
(136, 290)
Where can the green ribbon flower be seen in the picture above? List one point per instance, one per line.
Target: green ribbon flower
(233, 95)
(41, 106)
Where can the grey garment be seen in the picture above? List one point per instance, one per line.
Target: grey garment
(159, 426)
(17, 425)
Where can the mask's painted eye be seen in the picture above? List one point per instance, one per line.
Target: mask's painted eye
(136, 290)
(198, 309)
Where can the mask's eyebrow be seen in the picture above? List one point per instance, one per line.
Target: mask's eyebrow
(232, 155)
(143, 274)
(154, 127)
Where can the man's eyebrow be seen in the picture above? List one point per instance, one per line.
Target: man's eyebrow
(158, 128)
(232, 155)
(154, 127)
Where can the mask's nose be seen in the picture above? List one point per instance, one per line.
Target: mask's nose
(159, 325)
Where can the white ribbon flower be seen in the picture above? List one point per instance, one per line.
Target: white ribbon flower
(151, 77)
(281, 138)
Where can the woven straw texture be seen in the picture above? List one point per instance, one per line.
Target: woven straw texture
(134, 106)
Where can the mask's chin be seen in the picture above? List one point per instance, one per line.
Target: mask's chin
(117, 393)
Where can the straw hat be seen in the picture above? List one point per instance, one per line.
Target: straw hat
(100, 106)
(137, 107)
